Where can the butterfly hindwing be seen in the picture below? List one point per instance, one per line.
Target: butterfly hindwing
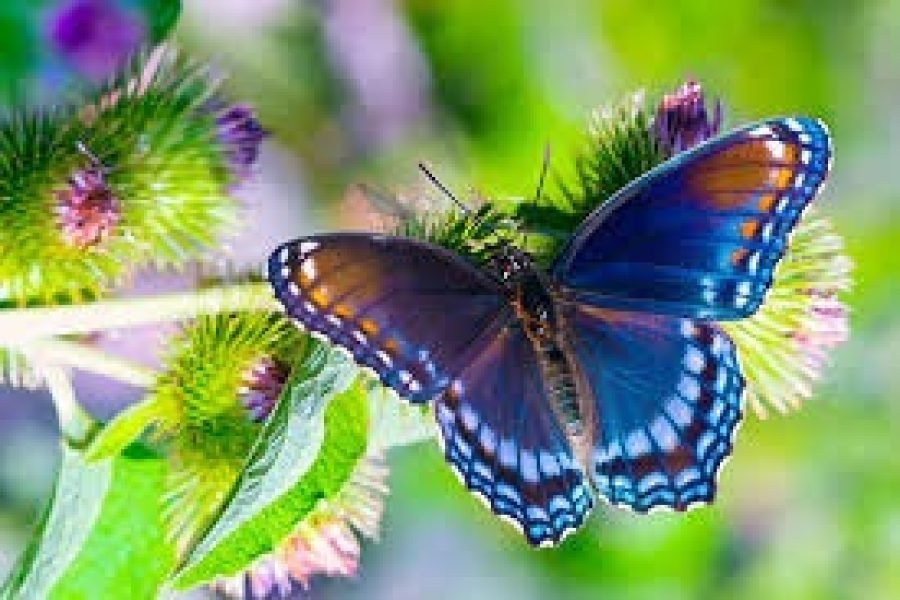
(667, 401)
(503, 440)
(700, 235)
(411, 311)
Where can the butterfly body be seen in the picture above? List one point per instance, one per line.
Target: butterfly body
(604, 374)
(535, 313)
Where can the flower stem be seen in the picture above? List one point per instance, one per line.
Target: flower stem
(75, 424)
(65, 353)
(24, 324)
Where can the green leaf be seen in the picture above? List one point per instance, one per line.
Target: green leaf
(105, 518)
(127, 548)
(161, 16)
(76, 504)
(122, 431)
(305, 453)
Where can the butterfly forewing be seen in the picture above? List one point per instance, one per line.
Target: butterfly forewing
(700, 235)
(413, 312)
(667, 401)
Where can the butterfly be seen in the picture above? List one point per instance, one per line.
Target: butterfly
(604, 375)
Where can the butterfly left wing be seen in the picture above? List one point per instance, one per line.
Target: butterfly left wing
(503, 440)
(666, 396)
(699, 236)
(411, 311)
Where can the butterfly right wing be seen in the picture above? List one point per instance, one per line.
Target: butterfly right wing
(666, 396)
(504, 441)
(413, 312)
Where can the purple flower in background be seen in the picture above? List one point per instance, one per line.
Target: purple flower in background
(94, 36)
(241, 134)
(683, 120)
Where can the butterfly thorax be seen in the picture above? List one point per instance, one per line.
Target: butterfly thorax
(535, 306)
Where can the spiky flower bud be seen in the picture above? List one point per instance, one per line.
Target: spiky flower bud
(683, 119)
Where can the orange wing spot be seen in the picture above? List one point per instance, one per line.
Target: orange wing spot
(342, 311)
(749, 229)
(766, 202)
(319, 297)
(782, 177)
(790, 153)
(739, 256)
(368, 327)
(391, 346)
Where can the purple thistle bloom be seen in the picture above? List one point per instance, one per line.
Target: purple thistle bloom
(262, 385)
(683, 120)
(95, 36)
(87, 210)
(241, 135)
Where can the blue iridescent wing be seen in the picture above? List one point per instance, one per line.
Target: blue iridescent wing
(413, 312)
(429, 324)
(506, 444)
(666, 400)
(700, 235)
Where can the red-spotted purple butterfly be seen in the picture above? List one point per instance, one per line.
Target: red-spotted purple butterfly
(607, 371)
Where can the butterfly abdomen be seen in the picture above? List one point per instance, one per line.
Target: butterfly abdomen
(535, 308)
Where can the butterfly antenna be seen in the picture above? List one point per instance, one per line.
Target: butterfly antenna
(545, 167)
(436, 182)
(539, 191)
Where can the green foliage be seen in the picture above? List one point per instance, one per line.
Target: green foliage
(618, 148)
(472, 235)
(306, 453)
(104, 519)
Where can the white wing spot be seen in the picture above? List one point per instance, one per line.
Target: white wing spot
(793, 124)
(307, 247)
(761, 131)
(308, 268)
(776, 149)
(385, 358)
(528, 466)
(507, 453)
(637, 443)
(694, 360)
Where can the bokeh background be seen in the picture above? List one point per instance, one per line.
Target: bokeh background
(360, 90)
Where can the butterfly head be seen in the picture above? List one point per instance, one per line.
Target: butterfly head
(510, 264)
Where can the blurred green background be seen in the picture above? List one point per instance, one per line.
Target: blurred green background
(360, 90)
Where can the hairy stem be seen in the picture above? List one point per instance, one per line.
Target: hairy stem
(25, 324)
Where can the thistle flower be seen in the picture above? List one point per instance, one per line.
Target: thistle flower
(326, 542)
(240, 134)
(87, 210)
(683, 119)
(785, 346)
(163, 200)
(223, 376)
(261, 387)
(95, 36)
